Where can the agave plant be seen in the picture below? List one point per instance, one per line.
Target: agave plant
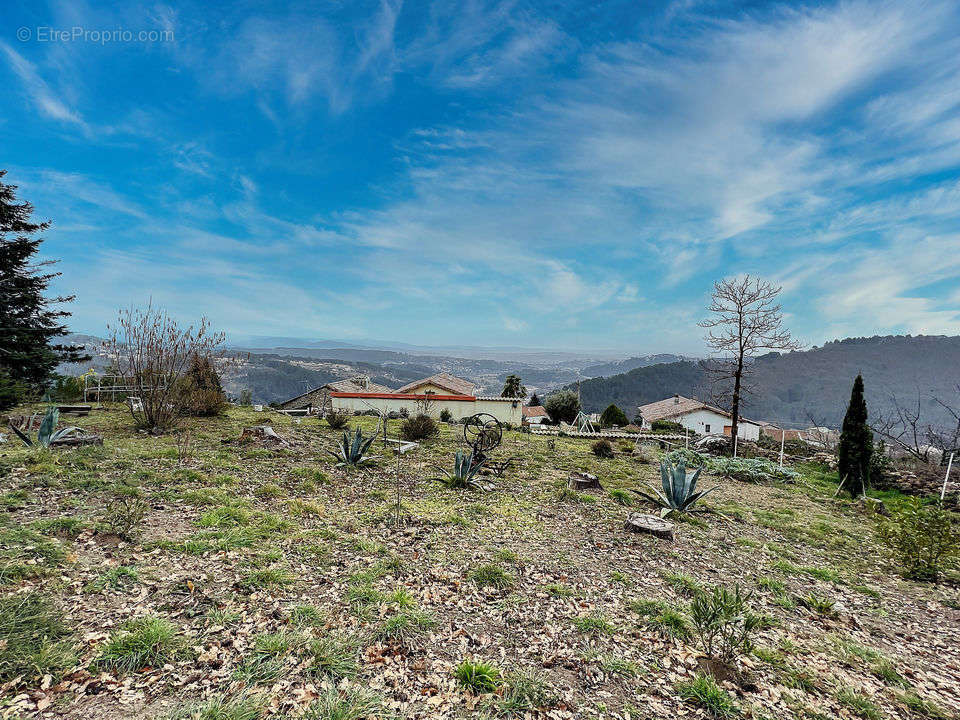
(465, 469)
(679, 488)
(46, 434)
(354, 452)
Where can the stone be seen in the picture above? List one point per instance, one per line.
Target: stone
(649, 524)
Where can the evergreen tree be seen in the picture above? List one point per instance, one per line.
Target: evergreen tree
(29, 325)
(613, 416)
(856, 444)
(534, 401)
(513, 387)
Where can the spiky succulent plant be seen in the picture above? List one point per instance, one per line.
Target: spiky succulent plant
(353, 452)
(465, 469)
(46, 434)
(679, 488)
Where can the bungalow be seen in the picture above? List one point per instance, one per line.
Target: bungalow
(535, 414)
(434, 394)
(319, 397)
(697, 416)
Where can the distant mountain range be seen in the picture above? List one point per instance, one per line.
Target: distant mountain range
(791, 388)
(616, 367)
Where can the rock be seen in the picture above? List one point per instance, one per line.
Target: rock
(650, 524)
(872, 506)
(583, 481)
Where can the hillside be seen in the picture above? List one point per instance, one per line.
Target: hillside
(212, 580)
(615, 367)
(790, 387)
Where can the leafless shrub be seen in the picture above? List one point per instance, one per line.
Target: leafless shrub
(123, 515)
(151, 352)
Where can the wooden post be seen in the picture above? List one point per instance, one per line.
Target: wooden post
(943, 490)
(735, 437)
(783, 435)
(686, 438)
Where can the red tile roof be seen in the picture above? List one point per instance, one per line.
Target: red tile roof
(535, 411)
(458, 386)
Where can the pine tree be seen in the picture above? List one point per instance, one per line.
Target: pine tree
(856, 444)
(28, 323)
(534, 400)
(513, 387)
(613, 415)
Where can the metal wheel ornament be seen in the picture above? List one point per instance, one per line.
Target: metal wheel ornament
(482, 432)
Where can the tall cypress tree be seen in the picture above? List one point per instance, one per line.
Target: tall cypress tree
(29, 324)
(856, 444)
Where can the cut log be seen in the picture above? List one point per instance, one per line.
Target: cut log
(583, 481)
(263, 434)
(75, 409)
(650, 524)
(78, 441)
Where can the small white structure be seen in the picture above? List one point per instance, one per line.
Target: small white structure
(697, 416)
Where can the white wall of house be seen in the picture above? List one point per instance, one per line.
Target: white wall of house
(708, 422)
(505, 411)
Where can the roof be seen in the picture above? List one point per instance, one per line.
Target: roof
(351, 386)
(457, 386)
(679, 405)
(402, 396)
(341, 386)
(535, 411)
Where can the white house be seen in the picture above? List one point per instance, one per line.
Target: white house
(438, 392)
(535, 414)
(697, 416)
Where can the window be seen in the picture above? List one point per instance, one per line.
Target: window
(707, 427)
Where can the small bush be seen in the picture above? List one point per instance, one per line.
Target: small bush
(667, 426)
(523, 692)
(723, 622)
(922, 538)
(406, 627)
(123, 516)
(337, 420)
(477, 677)
(351, 703)
(446, 416)
(333, 657)
(754, 470)
(691, 458)
(621, 497)
(200, 393)
(420, 427)
(491, 575)
(148, 641)
(602, 448)
(32, 637)
(704, 691)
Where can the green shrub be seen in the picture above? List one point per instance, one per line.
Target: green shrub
(562, 406)
(723, 622)
(333, 656)
(523, 692)
(199, 392)
(32, 638)
(691, 458)
(337, 420)
(704, 691)
(148, 641)
(123, 515)
(667, 426)
(750, 470)
(406, 627)
(491, 575)
(477, 677)
(419, 427)
(602, 448)
(922, 538)
(350, 703)
(613, 416)
(621, 497)
(446, 416)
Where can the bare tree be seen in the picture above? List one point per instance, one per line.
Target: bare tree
(905, 427)
(745, 319)
(151, 352)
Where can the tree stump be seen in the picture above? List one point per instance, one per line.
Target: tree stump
(650, 524)
(78, 441)
(583, 481)
(263, 434)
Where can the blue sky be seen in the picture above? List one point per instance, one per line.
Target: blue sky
(492, 173)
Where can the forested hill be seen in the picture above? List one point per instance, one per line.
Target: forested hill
(790, 387)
